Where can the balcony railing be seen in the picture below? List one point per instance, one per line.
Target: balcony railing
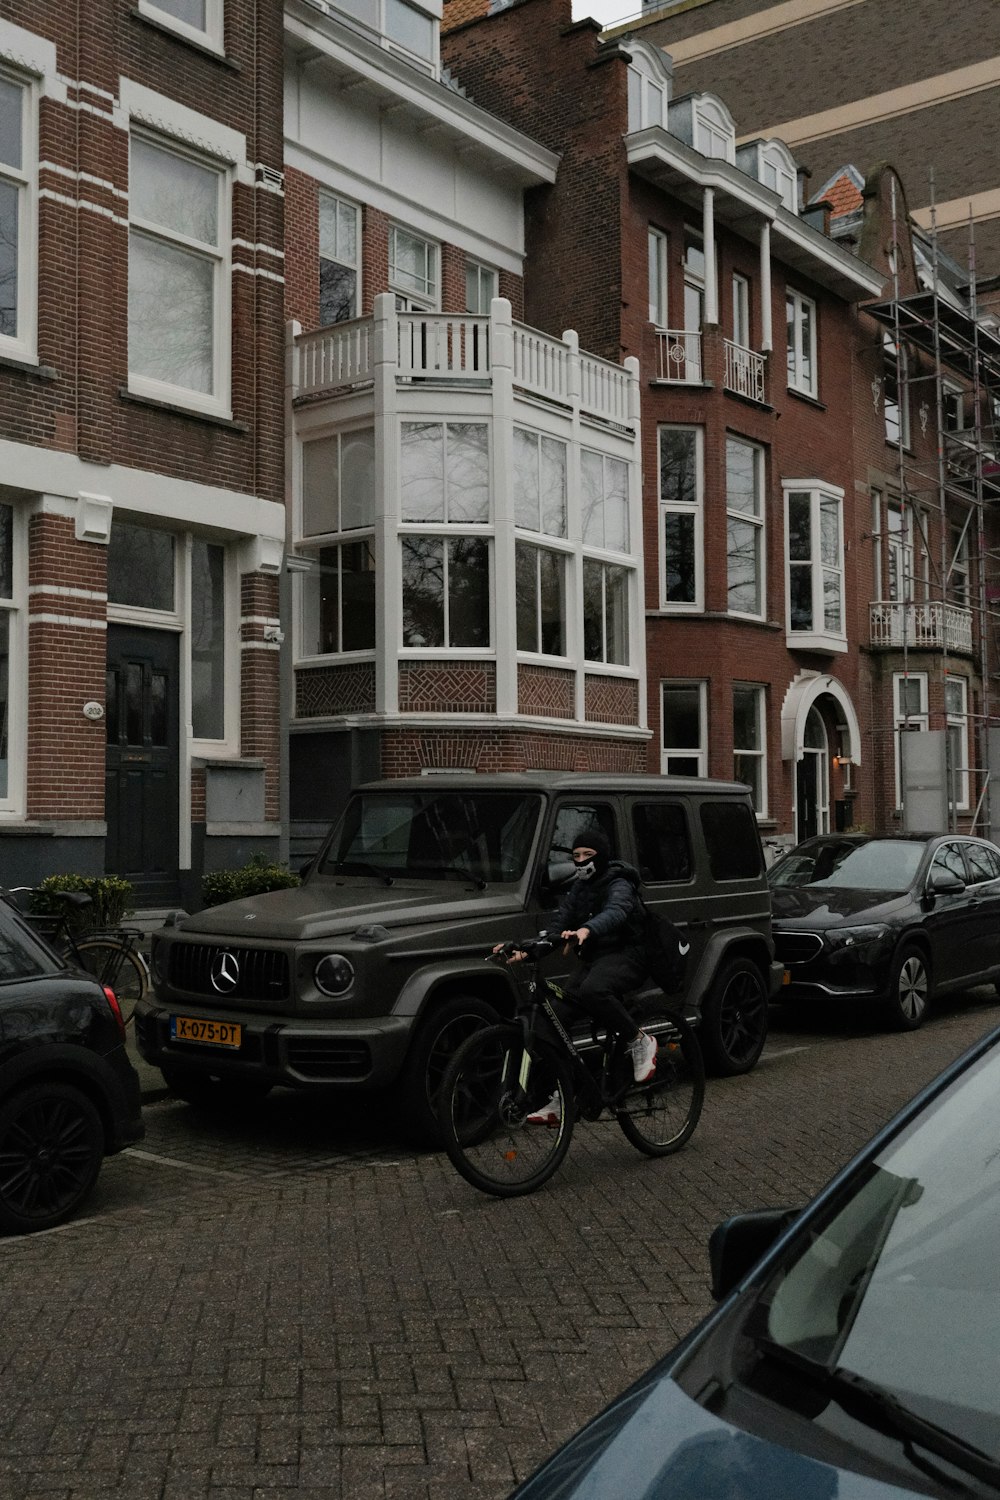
(678, 356)
(744, 371)
(459, 349)
(924, 624)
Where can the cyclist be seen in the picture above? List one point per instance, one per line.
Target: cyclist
(601, 914)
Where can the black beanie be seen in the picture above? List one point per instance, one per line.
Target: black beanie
(596, 839)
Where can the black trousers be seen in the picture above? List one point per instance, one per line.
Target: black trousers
(597, 988)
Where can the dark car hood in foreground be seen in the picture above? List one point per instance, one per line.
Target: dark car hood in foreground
(326, 906)
(655, 1443)
(818, 906)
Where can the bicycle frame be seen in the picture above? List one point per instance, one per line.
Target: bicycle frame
(591, 1091)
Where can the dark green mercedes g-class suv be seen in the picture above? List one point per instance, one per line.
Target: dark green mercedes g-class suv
(372, 971)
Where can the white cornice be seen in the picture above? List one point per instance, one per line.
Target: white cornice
(392, 77)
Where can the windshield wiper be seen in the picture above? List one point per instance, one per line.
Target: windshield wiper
(879, 1408)
(467, 875)
(361, 867)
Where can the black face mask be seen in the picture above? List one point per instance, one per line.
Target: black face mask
(585, 869)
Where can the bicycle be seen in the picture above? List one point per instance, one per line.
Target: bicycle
(111, 954)
(501, 1073)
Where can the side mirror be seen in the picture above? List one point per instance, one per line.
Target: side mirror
(736, 1245)
(942, 882)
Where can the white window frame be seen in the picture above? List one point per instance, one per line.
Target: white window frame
(23, 344)
(564, 558)
(952, 406)
(696, 509)
(906, 723)
(407, 300)
(756, 519)
(484, 276)
(605, 564)
(340, 202)
(219, 403)
(778, 172)
(310, 553)
(13, 804)
(760, 753)
(958, 720)
(798, 379)
(820, 637)
(714, 131)
(899, 553)
(659, 314)
(667, 751)
(959, 590)
(212, 34)
(896, 357)
(648, 100)
(741, 310)
(601, 544)
(538, 438)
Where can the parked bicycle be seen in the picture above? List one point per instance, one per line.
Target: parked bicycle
(112, 954)
(503, 1073)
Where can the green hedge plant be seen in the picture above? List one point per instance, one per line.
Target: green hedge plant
(258, 875)
(112, 899)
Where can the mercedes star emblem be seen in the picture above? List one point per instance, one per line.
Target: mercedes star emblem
(225, 972)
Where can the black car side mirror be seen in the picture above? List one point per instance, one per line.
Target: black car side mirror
(942, 882)
(736, 1245)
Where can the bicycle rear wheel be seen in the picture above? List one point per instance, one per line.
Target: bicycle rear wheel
(483, 1113)
(115, 964)
(659, 1116)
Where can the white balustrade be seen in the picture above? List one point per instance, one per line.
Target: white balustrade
(434, 346)
(604, 389)
(926, 623)
(678, 356)
(744, 371)
(541, 364)
(330, 357)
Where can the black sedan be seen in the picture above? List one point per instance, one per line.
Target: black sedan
(68, 1094)
(894, 920)
(857, 1359)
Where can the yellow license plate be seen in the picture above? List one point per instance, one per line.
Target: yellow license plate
(210, 1033)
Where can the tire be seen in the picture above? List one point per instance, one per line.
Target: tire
(51, 1149)
(909, 989)
(483, 1114)
(734, 1019)
(439, 1036)
(210, 1092)
(659, 1116)
(121, 968)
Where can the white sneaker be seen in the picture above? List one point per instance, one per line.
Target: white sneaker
(643, 1049)
(549, 1114)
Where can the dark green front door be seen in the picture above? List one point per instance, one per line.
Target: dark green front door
(142, 761)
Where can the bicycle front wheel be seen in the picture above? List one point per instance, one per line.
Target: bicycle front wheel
(123, 968)
(659, 1116)
(487, 1093)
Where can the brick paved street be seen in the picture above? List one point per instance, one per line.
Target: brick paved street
(293, 1302)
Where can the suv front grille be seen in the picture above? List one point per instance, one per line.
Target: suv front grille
(262, 973)
(793, 948)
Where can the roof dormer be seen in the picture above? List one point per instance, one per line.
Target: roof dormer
(704, 122)
(650, 79)
(770, 162)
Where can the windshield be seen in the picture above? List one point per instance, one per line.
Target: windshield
(879, 865)
(485, 835)
(902, 1285)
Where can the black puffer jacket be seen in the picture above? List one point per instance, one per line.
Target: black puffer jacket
(609, 905)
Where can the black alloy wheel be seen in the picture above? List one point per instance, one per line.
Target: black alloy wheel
(51, 1149)
(734, 1019)
(442, 1031)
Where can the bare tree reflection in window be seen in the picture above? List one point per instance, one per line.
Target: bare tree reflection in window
(423, 591)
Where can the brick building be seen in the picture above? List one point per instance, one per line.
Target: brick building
(141, 452)
(464, 526)
(694, 256)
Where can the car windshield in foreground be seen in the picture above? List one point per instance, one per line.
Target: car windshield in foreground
(435, 835)
(894, 1302)
(879, 865)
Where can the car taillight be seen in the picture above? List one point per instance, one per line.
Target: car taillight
(116, 1009)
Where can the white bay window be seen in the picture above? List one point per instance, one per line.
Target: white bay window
(815, 565)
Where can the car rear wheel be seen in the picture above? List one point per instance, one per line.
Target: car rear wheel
(734, 1019)
(51, 1149)
(208, 1091)
(439, 1037)
(909, 990)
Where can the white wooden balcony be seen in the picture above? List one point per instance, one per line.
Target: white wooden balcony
(744, 371)
(922, 624)
(462, 350)
(678, 356)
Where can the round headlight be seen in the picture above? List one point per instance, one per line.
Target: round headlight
(334, 974)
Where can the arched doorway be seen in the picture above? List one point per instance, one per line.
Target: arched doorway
(812, 779)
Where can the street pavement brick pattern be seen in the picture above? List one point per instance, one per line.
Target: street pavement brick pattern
(287, 1305)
